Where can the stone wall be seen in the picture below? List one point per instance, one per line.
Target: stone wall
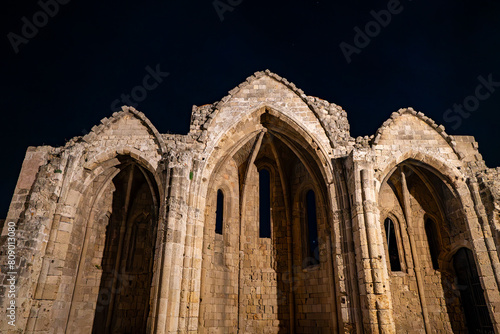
(116, 230)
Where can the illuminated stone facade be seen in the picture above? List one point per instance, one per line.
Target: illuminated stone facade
(127, 230)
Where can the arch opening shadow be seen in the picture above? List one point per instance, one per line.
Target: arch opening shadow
(126, 253)
(431, 214)
(467, 282)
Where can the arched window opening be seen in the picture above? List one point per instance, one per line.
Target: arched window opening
(219, 212)
(127, 251)
(312, 229)
(392, 245)
(472, 294)
(432, 240)
(264, 204)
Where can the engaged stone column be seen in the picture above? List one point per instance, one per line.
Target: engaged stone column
(171, 274)
(381, 284)
(374, 283)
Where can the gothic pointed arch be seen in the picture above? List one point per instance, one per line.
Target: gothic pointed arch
(113, 123)
(433, 215)
(294, 159)
(114, 240)
(315, 115)
(412, 125)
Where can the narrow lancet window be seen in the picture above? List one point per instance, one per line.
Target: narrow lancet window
(312, 228)
(392, 245)
(468, 283)
(431, 232)
(219, 213)
(264, 204)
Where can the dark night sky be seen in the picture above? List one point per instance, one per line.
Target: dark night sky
(64, 79)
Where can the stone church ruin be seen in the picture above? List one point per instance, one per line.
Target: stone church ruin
(267, 217)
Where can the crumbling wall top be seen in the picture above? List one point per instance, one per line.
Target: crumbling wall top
(331, 116)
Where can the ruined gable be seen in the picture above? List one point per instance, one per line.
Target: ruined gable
(267, 217)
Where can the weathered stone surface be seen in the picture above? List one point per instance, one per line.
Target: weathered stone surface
(129, 230)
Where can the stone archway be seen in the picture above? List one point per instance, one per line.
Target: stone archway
(264, 281)
(432, 221)
(112, 289)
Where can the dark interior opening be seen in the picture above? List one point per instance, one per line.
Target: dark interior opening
(124, 293)
(219, 213)
(472, 295)
(392, 245)
(264, 204)
(312, 228)
(434, 249)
